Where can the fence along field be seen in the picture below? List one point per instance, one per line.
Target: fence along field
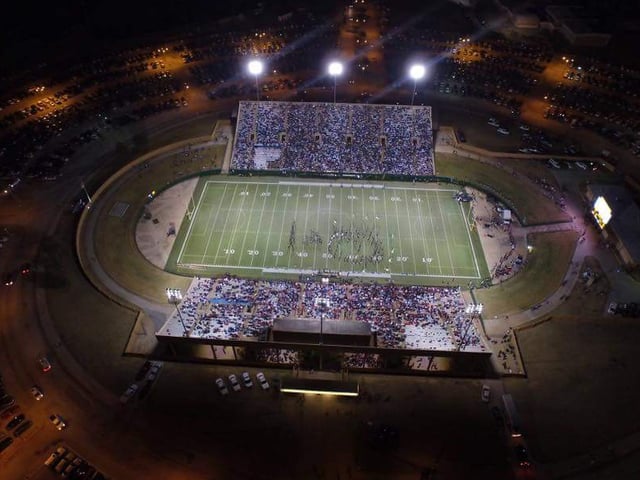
(369, 230)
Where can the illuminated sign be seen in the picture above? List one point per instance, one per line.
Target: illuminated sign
(319, 392)
(601, 212)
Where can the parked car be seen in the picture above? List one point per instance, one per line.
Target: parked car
(6, 401)
(45, 364)
(262, 380)
(153, 372)
(9, 279)
(247, 380)
(146, 366)
(10, 412)
(485, 394)
(58, 422)
(23, 427)
(15, 421)
(5, 442)
(51, 459)
(37, 393)
(222, 387)
(233, 380)
(522, 456)
(129, 393)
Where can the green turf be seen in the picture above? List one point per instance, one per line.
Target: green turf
(281, 226)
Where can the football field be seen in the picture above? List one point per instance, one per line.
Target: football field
(370, 230)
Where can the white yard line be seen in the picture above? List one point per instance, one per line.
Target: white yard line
(446, 236)
(211, 225)
(318, 209)
(258, 230)
(297, 194)
(433, 234)
(191, 223)
(473, 250)
(273, 214)
(423, 235)
(386, 222)
(234, 231)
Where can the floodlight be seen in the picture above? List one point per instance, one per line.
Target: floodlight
(417, 71)
(335, 69)
(255, 67)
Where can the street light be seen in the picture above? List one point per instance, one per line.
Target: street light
(335, 69)
(416, 72)
(255, 68)
(472, 310)
(174, 295)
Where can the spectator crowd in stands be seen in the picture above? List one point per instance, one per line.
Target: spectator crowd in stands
(401, 316)
(328, 137)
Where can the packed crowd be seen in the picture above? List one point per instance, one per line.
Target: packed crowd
(400, 316)
(324, 137)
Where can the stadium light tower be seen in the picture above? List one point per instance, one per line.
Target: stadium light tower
(255, 68)
(416, 72)
(335, 70)
(174, 295)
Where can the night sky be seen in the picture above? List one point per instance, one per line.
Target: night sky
(34, 31)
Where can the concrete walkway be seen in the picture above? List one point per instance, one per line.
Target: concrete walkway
(501, 331)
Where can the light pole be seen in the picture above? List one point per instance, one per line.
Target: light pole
(174, 295)
(471, 310)
(335, 69)
(255, 68)
(416, 72)
(85, 192)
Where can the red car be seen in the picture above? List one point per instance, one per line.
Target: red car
(45, 364)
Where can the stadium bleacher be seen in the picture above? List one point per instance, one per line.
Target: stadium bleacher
(333, 137)
(402, 316)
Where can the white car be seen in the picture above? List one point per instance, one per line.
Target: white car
(262, 381)
(37, 393)
(247, 380)
(503, 131)
(153, 372)
(233, 380)
(130, 392)
(222, 387)
(58, 422)
(486, 393)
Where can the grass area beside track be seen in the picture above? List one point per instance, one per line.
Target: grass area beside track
(540, 277)
(115, 236)
(532, 205)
